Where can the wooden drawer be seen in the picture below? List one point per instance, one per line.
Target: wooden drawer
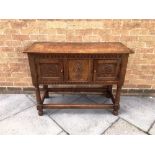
(49, 70)
(106, 69)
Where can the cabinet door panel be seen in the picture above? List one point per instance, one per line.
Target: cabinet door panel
(50, 70)
(79, 70)
(106, 69)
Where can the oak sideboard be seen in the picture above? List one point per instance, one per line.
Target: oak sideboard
(55, 63)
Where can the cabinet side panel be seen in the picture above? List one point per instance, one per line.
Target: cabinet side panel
(33, 69)
(124, 61)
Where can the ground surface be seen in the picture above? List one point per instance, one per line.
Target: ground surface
(18, 115)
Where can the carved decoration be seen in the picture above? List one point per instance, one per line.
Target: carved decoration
(77, 69)
(106, 68)
(48, 70)
(81, 56)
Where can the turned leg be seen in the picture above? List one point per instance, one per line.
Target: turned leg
(39, 102)
(117, 99)
(45, 87)
(109, 91)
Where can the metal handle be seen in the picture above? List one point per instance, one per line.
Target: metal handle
(61, 70)
(94, 70)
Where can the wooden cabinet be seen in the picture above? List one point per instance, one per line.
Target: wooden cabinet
(78, 63)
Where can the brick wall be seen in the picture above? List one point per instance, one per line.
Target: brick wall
(138, 35)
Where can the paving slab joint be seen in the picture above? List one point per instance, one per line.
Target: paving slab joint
(110, 126)
(58, 125)
(151, 126)
(135, 126)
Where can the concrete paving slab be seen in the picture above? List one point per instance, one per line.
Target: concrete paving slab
(4, 96)
(152, 130)
(122, 127)
(83, 121)
(12, 104)
(62, 99)
(62, 133)
(28, 122)
(139, 111)
(18, 115)
(56, 98)
(99, 99)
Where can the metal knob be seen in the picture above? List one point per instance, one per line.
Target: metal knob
(61, 70)
(94, 70)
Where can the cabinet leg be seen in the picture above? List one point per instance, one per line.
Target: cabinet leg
(109, 91)
(117, 100)
(45, 87)
(115, 112)
(40, 112)
(39, 102)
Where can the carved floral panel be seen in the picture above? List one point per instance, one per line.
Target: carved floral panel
(78, 70)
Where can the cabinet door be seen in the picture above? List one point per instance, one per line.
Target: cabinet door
(78, 70)
(49, 70)
(106, 70)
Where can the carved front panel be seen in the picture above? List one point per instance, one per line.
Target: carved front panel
(106, 69)
(78, 70)
(50, 70)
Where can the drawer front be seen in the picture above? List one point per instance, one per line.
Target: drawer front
(106, 69)
(49, 70)
(78, 70)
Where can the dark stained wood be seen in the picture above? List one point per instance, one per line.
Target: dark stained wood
(50, 69)
(77, 106)
(103, 90)
(106, 69)
(78, 63)
(78, 70)
(45, 87)
(39, 101)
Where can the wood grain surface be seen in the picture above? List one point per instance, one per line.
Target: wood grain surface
(68, 47)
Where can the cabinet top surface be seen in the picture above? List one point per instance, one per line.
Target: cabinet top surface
(72, 47)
